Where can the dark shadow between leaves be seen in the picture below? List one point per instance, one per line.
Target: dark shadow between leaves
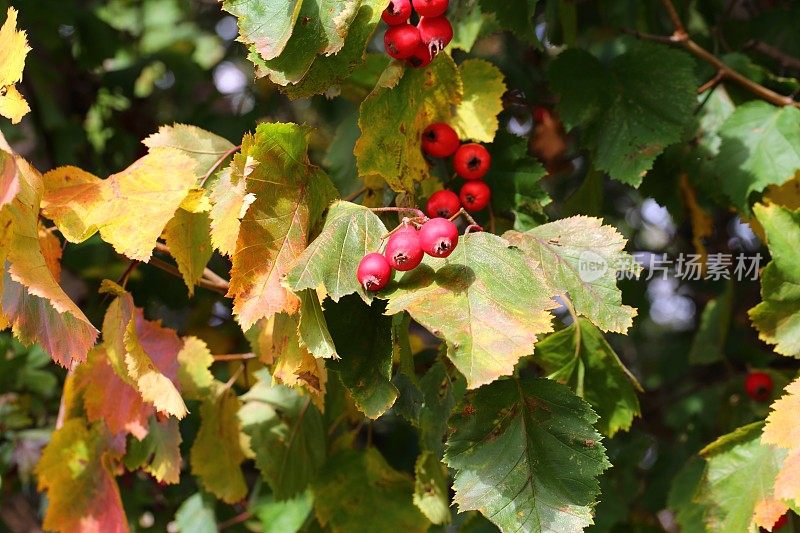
(455, 278)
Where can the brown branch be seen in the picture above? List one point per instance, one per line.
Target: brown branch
(682, 39)
(235, 357)
(238, 519)
(218, 163)
(771, 52)
(210, 279)
(710, 84)
(172, 269)
(352, 196)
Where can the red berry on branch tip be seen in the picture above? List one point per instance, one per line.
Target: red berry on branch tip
(758, 386)
(438, 237)
(472, 161)
(403, 250)
(475, 195)
(440, 140)
(402, 41)
(397, 12)
(436, 33)
(374, 272)
(431, 8)
(443, 204)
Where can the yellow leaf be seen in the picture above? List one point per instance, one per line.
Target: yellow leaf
(9, 176)
(476, 115)
(51, 250)
(33, 303)
(187, 236)
(193, 373)
(782, 430)
(13, 50)
(196, 201)
(216, 455)
(230, 201)
(76, 471)
(130, 209)
(295, 366)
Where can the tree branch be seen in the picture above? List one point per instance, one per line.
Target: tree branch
(680, 38)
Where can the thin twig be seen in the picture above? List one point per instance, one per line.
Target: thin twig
(463, 213)
(785, 60)
(352, 196)
(713, 82)
(238, 519)
(233, 378)
(123, 279)
(62, 406)
(665, 39)
(172, 269)
(210, 279)
(417, 212)
(235, 357)
(680, 38)
(492, 226)
(218, 163)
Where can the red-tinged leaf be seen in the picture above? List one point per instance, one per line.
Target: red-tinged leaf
(291, 195)
(76, 471)
(9, 177)
(33, 303)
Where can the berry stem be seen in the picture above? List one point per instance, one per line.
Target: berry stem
(406, 222)
(463, 212)
(417, 212)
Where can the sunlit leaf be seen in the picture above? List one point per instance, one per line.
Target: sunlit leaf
(526, 456)
(394, 115)
(204, 147)
(196, 515)
(291, 195)
(159, 453)
(13, 50)
(476, 114)
(187, 236)
(265, 24)
(783, 431)
(484, 300)
(194, 375)
(231, 200)
(313, 329)
(431, 488)
(294, 366)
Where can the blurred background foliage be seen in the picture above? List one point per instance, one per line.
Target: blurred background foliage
(105, 74)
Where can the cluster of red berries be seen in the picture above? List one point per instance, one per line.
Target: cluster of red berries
(470, 161)
(758, 386)
(437, 237)
(419, 44)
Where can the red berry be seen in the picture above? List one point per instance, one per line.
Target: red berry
(443, 204)
(472, 161)
(438, 237)
(475, 195)
(540, 114)
(403, 251)
(436, 33)
(780, 522)
(440, 140)
(397, 12)
(401, 41)
(421, 57)
(431, 8)
(758, 386)
(374, 272)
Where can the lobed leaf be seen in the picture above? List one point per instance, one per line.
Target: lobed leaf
(526, 456)
(265, 24)
(783, 432)
(476, 114)
(484, 301)
(291, 195)
(294, 366)
(194, 374)
(579, 256)
(159, 452)
(581, 358)
(13, 50)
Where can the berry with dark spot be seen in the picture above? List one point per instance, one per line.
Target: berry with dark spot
(472, 161)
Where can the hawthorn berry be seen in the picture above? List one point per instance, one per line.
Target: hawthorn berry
(443, 204)
(421, 57)
(397, 12)
(438, 237)
(374, 272)
(435, 32)
(440, 140)
(402, 41)
(758, 385)
(403, 251)
(431, 8)
(475, 195)
(472, 161)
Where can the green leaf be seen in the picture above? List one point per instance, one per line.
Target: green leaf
(682, 497)
(355, 485)
(515, 180)
(579, 256)
(739, 478)
(331, 70)
(189, 240)
(287, 516)
(469, 24)
(313, 329)
(441, 391)
(204, 147)
(526, 456)
(627, 122)
(760, 147)
(476, 114)
(581, 358)
(331, 260)
(484, 300)
(708, 345)
(159, 453)
(291, 195)
(286, 435)
(363, 339)
(777, 317)
(219, 473)
(265, 24)
(394, 115)
(196, 515)
(431, 488)
(319, 28)
(194, 375)
(514, 15)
